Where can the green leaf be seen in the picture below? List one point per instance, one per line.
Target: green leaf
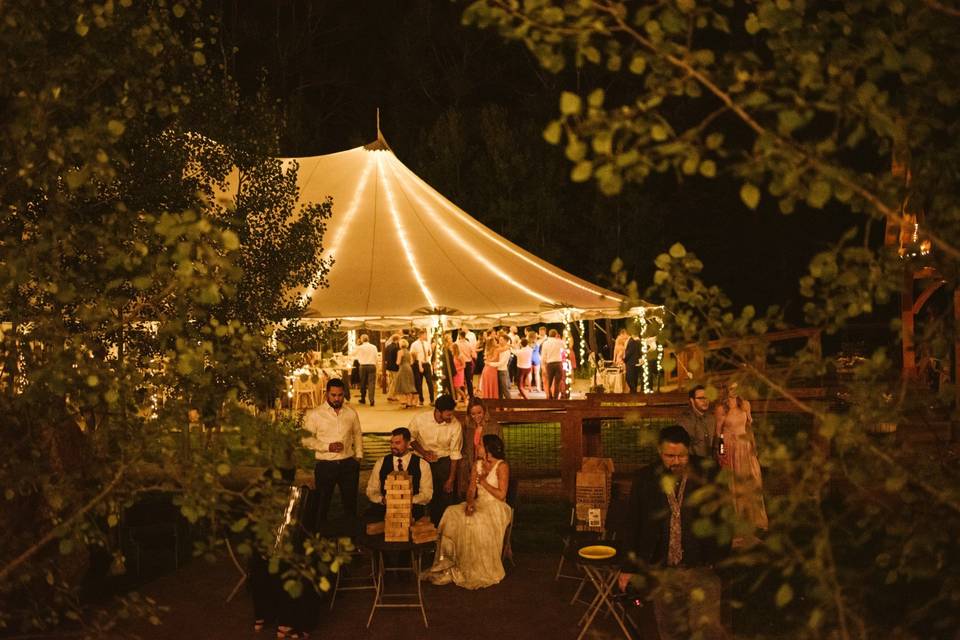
(116, 128)
(677, 251)
(638, 64)
(788, 120)
(819, 193)
(66, 546)
(178, 10)
(784, 595)
(199, 59)
(752, 25)
(576, 150)
(714, 141)
(658, 132)
(595, 99)
(293, 587)
(230, 240)
(750, 195)
(223, 469)
(553, 132)
(686, 5)
(708, 168)
(570, 103)
(582, 171)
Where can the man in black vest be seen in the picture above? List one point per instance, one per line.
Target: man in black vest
(400, 458)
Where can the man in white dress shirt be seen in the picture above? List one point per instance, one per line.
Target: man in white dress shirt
(400, 458)
(422, 352)
(438, 439)
(333, 433)
(366, 355)
(551, 356)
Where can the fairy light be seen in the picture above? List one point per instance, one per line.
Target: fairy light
(343, 224)
(401, 235)
(351, 341)
(458, 240)
(644, 349)
(439, 353)
(503, 244)
(583, 345)
(659, 361)
(567, 340)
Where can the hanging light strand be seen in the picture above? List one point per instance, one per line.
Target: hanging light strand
(567, 341)
(440, 356)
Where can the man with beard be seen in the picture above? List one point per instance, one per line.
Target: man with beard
(438, 439)
(334, 435)
(400, 458)
(660, 521)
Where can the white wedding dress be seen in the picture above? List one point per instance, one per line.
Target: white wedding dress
(470, 546)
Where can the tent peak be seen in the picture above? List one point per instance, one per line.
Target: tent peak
(380, 144)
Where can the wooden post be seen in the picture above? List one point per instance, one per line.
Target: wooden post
(592, 338)
(571, 452)
(955, 429)
(907, 326)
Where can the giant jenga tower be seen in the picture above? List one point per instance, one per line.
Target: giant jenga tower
(399, 499)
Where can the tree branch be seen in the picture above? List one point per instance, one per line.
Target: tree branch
(53, 533)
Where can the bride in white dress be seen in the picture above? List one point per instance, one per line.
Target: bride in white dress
(471, 533)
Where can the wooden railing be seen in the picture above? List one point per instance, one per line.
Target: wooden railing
(691, 360)
(580, 420)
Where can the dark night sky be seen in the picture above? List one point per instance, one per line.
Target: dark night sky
(443, 88)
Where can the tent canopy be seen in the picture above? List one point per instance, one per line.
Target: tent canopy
(403, 254)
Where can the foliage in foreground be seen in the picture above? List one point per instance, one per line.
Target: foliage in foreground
(850, 105)
(131, 291)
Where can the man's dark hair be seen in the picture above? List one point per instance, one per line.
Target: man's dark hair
(494, 445)
(402, 431)
(335, 382)
(461, 335)
(674, 434)
(693, 392)
(445, 402)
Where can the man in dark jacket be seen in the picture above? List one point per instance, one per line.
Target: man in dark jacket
(631, 361)
(660, 533)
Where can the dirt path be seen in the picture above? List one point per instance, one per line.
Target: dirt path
(527, 604)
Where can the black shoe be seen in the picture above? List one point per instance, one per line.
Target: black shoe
(362, 401)
(371, 403)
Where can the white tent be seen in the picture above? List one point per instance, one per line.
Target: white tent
(404, 255)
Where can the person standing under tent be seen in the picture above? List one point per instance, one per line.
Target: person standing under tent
(406, 392)
(468, 351)
(503, 367)
(524, 364)
(422, 352)
(390, 365)
(631, 362)
(489, 386)
(534, 358)
(366, 355)
(551, 355)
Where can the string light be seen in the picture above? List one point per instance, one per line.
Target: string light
(644, 349)
(351, 341)
(438, 352)
(659, 361)
(567, 339)
(583, 345)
